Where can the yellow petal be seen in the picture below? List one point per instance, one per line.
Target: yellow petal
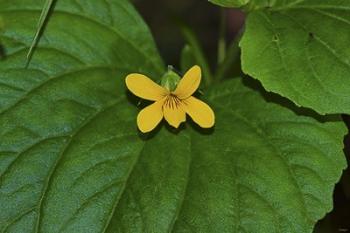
(174, 113)
(200, 112)
(144, 87)
(149, 117)
(189, 83)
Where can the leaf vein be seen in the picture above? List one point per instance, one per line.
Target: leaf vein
(61, 155)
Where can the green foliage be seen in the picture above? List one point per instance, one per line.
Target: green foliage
(300, 50)
(72, 160)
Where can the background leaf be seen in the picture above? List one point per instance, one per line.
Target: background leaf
(71, 159)
(230, 3)
(299, 49)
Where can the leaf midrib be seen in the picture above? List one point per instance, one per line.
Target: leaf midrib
(119, 196)
(183, 196)
(277, 152)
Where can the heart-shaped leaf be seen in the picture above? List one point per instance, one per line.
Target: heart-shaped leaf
(263, 168)
(72, 160)
(299, 49)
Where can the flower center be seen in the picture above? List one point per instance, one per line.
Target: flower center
(172, 101)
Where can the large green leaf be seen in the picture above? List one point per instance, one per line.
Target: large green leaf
(263, 168)
(71, 159)
(300, 50)
(68, 110)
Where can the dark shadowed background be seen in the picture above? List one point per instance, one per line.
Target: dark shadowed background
(204, 18)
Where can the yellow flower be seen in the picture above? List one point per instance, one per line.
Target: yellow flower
(170, 104)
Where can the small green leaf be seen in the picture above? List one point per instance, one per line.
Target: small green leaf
(72, 160)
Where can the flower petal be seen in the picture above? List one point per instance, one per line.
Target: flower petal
(200, 112)
(149, 117)
(174, 113)
(144, 87)
(189, 83)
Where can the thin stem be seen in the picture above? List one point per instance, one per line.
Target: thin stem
(222, 37)
(232, 56)
(41, 24)
(198, 53)
(2, 52)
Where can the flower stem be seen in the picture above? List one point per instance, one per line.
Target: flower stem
(232, 56)
(222, 37)
(198, 53)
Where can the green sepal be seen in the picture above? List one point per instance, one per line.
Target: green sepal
(170, 79)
